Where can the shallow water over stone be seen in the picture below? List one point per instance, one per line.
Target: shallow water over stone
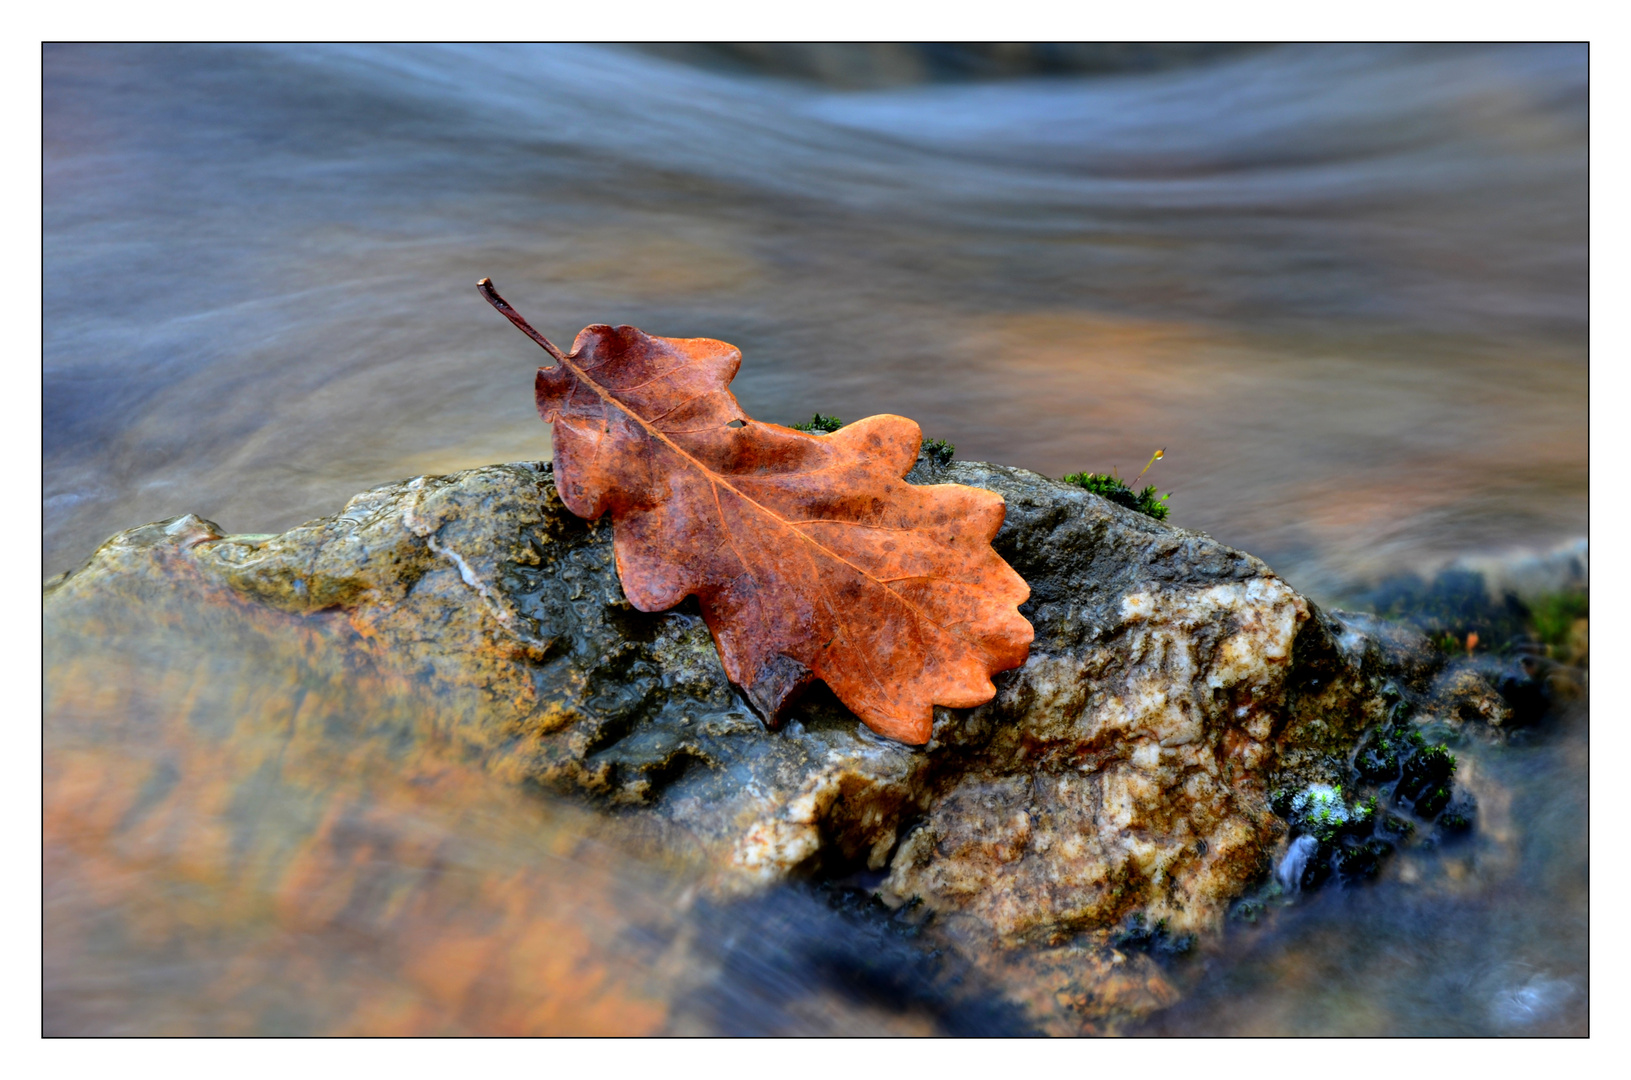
(1486, 936)
(1345, 288)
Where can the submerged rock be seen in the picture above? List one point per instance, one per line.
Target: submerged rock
(1120, 779)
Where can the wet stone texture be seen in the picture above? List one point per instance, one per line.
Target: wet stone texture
(1121, 778)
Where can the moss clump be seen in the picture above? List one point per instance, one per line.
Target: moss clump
(1322, 810)
(1396, 826)
(1431, 802)
(1351, 840)
(820, 425)
(1112, 488)
(1425, 781)
(1364, 860)
(1323, 813)
(1379, 756)
(1458, 816)
(939, 450)
(1354, 831)
(1378, 759)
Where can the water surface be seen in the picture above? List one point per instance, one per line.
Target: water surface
(1344, 287)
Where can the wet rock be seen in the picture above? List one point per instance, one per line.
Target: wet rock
(1424, 782)
(1512, 634)
(1120, 778)
(1464, 695)
(1400, 792)
(1504, 692)
(1458, 817)
(1458, 601)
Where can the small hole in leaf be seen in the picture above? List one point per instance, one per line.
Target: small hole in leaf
(735, 423)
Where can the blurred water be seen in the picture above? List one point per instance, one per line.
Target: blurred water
(1343, 286)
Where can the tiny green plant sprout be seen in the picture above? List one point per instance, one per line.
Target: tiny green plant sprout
(1117, 491)
(1157, 456)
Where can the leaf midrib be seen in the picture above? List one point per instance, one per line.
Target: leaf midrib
(719, 479)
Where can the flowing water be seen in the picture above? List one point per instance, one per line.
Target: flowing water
(1344, 287)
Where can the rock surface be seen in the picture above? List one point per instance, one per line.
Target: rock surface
(1123, 773)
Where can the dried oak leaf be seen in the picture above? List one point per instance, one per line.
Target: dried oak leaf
(810, 556)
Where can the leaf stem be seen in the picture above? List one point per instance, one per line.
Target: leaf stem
(716, 480)
(485, 287)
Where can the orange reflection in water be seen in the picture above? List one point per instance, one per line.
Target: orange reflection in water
(1374, 453)
(224, 856)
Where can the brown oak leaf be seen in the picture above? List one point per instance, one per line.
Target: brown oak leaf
(810, 556)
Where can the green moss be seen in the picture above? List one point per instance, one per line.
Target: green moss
(1551, 617)
(1433, 801)
(1458, 817)
(1438, 760)
(939, 450)
(1112, 488)
(821, 425)
(1324, 806)
(1322, 812)
(1396, 826)
(1425, 780)
(1378, 759)
(1363, 860)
